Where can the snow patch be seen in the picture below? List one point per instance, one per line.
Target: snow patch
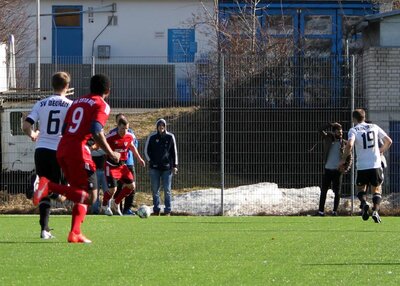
(262, 198)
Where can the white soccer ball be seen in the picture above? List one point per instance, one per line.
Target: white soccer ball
(143, 211)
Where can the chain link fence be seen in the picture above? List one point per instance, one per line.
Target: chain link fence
(246, 127)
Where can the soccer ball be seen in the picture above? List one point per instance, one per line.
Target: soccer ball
(143, 211)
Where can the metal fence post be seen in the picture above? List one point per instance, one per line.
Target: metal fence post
(37, 83)
(353, 74)
(93, 66)
(222, 105)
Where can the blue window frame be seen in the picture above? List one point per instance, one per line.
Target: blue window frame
(308, 37)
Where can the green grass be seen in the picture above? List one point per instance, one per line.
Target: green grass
(203, 251)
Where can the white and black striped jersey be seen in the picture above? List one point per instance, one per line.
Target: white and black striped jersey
(50, 113)
(366, 137)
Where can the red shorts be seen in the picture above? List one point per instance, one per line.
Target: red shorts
(76, 166)
(118, 173)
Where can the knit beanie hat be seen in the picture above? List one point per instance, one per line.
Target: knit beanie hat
(161, 121)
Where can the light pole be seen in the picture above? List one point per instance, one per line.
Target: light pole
(38, 44)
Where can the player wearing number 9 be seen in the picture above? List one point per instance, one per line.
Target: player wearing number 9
(85, 119)
(364, 136)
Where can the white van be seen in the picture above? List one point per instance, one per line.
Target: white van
(17, 150)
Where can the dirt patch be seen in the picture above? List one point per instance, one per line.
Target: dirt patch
(143, 123)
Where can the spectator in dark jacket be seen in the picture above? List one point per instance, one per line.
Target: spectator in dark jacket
(160, 150)
(333, 152)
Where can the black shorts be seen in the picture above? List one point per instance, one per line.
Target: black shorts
(373, 177)
(46, 165)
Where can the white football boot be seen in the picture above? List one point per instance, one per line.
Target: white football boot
(46, 235)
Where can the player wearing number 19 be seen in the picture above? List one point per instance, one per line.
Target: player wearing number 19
(364, 136)
(85, 119)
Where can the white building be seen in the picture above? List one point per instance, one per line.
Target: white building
(153, 28)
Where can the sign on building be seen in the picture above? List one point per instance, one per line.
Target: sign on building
(181, 45)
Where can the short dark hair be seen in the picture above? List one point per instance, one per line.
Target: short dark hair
(99, 84)
(359, 115)
(336, 126)
(60, 80)
(123, 121)
(118, 115)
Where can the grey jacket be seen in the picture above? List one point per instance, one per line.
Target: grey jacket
(329, 139)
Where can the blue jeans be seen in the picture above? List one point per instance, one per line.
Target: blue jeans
(101, 183)
(166, 177)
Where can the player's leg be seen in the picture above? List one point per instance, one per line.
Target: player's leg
(155, 176)
(112, 176)
(362, 183)
(167, 183)
(79, 211)
(76, 173)
(96, 205)
(119, 188)
(128, 204)
(326, 182)
(107, 197)
(376, 189)
(336, 187)
(127, 187)
(46, 165)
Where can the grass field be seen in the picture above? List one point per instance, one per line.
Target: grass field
(203, 251)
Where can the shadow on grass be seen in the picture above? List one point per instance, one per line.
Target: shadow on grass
(353, 264)
(32, 242)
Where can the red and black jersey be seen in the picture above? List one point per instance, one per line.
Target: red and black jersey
(120, 144)
(78, 121)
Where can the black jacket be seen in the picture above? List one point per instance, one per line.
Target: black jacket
(160, 151)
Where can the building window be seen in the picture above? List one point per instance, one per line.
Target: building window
(317, 25)
(279, 24)
(317, 47)
(70, 17)
(16, 123)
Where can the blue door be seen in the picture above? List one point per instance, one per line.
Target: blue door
(67, 34)
(394, 163)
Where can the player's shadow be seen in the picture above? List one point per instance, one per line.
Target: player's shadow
(31, 242)
(352, 264)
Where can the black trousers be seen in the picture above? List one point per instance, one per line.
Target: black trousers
(331, 178)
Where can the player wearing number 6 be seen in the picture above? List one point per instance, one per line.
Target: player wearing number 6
(364, 136)
(85, 119)
(49, 113)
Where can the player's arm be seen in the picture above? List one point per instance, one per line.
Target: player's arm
(387, 142)
(28, 130)
(323, 130)
(346, 151)
(348, 147)
(174, 155)
(98, 136)
(135, 153)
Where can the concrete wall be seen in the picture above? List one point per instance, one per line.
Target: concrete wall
(389, 32)
(142, 28)
(382, 91)
(382, 84)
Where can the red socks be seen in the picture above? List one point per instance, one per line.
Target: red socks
(107, 196)
(78, 215)
(71, 193)
(122, 194)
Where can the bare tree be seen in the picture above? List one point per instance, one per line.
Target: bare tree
(249, 48)
(14, 20)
